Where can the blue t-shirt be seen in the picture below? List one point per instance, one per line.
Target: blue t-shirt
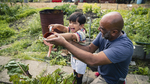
(119, 52)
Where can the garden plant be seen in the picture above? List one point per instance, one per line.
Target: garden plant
(20, 27)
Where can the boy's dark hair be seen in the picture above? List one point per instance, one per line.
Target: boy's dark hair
(77, 16)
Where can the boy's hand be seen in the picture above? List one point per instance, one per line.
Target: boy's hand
(52, 27)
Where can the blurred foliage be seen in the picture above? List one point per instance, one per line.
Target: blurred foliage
(9, 14)
(136, 25)
(140, 10)
(87, 8)
(67, 9)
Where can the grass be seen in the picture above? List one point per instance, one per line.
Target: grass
(26, 39)
(27, 42)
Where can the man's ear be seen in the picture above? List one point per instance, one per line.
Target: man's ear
(114, 32)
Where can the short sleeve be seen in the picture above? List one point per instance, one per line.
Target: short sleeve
(81, 37)
(119, 52)
(68, 30)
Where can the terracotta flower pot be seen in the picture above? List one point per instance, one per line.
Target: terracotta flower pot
(47, 34)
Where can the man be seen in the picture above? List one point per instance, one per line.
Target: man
(115, 50)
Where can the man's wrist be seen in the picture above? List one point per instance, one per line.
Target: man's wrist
(70, 41)
(65, 44)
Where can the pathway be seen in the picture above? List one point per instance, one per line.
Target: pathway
(36, 67)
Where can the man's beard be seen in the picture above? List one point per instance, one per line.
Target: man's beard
(107, 35)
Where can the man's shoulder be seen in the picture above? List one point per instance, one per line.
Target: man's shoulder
(123, 41)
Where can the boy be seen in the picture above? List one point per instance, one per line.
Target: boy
(75, 32)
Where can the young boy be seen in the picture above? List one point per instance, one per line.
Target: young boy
(75, 32)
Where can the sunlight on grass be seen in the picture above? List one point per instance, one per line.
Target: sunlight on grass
(18, 46)
(31, 55)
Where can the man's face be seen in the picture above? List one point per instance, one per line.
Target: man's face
(105, 33)
(104, 28)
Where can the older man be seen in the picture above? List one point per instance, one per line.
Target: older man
(115, 49)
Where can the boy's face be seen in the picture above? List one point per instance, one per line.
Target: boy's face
(74, 26)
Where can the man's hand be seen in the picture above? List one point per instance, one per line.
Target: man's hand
(51, 36)
(58, 40)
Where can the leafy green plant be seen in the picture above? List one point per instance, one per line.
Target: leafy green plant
(34, 27)
(18, 68)
(137, 28)
(142, 71)
(136, 25)
(94, 28)
(4, 7)
(96, 9)
(71, 9)
(140, 68)
(19, 74)
(9, 14)
(57, 77)
(16, 79)
(57, 59)
(140, 10)
(66, 22)
(15, 12)
(67, 9)
(87, 8)
(18, 16)
(5, 31)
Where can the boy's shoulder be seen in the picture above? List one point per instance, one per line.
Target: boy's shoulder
(81, 30)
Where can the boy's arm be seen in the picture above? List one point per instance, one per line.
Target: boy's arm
(59, 27)
(79, 36)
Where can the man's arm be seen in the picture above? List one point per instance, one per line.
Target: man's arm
(71, 37)
(87, 57)
(67, 36)
(90, 48)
